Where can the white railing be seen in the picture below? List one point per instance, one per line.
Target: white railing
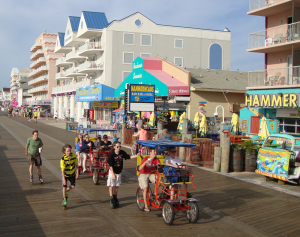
(41, 59)
(26, 94)
(90, 65)
(273, 36)
(72, 86)
(275, 77)
(44, 67)
(90, 46)
(72, 54)
(39, 51)
(60, 74)
(61, 60)
(256, 4)
(41, 79)
(39, 43)
(69, 71)
(38, 88)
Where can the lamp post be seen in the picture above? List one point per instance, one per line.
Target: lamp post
(216, 113)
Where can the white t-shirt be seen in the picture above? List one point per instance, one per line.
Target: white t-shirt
(55, 114)
(171, 161)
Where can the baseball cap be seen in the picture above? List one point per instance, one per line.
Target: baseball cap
(104, 136)
(99, 136)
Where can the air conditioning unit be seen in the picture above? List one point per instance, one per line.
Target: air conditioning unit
(234, 108)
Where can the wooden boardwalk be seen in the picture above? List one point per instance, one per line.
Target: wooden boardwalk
(228, 207)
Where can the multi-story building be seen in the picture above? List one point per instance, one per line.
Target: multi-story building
(43, 70)
(5, 97)
(19, 86)
(98, 52)
(274, 91)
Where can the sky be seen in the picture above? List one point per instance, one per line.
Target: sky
(24, 21)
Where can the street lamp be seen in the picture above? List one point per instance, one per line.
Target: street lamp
(216, 113)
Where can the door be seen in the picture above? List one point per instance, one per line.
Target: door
(254, 124)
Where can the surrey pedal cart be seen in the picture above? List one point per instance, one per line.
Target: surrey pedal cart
(160, 196)
(97, 162)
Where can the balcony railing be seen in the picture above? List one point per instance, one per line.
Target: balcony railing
(41, 59)
(288, 76)
(38, 88)
(42, 68)
(62, 60)
(90, 46)
(39, 79)
(33, 56)
(90, 66)
(37, 44)
(72, 86)
(273, 36)
(73, 54)
(60, 74)
(257, 4)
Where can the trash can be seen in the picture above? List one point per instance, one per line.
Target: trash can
(72, 120)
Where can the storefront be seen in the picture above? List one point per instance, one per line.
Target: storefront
(172, 83)
(101, 101)
(281, 107)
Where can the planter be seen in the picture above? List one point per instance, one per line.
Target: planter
(250, 161)
(237, 160)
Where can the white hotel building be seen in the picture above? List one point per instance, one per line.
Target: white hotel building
(98, 52)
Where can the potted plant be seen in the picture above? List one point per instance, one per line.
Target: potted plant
(251, 155)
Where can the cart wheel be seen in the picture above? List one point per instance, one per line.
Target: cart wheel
(143, 151)
(193, 214)
(95, 177)
(133, 149)
(168, 213)
(139, 196)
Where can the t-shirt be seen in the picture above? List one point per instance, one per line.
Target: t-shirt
(78, 145)
(97, 144)
(34, 145)
(175, 161)
(102, 143)
(68, 164)
(55, 115)
(116, 160)
(85, 146)
(165, 137)
(35, 114)
(149, 167)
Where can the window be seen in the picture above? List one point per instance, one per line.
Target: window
(125, 75)
(129, 38)
(289, 125)
(178, 61)
(128, 58)
(81, 24)
(138, 23)
(178, 43)
(146, 40)
(68, 32)
(215, 56)
(57, 43)
(145, 54)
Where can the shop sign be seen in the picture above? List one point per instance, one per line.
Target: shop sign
(142, 93)
(112, 104)
(276, 100)
(182, 91)
(226, 129)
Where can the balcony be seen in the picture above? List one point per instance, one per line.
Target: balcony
(37, 54)
(72, 86)
(90, 66)
(38, 80)
(38, 89)
(73, 56)
(26, 94)
(90, 48)
(38, 62)
(62, 62)
(278, 77)
(73, 72)
(61, 75)
(269, 7)
(36, 46)
(275, 39)
(38, 71)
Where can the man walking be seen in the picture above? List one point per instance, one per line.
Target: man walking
(33, 149)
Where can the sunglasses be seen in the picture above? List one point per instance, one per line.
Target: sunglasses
(118, 146)
(172, 151)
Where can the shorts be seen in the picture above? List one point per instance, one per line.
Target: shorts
(35, 117)
(81, 155)
(71, 180)
(144, 180)
(111, 182)
(35, 159)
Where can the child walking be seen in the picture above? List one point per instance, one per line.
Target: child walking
(69, 171)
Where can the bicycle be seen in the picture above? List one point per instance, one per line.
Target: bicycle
(142, 150)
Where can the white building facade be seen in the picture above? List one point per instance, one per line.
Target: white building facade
(98, 52)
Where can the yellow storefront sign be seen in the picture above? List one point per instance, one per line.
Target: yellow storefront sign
(285, 100)
(110, 104)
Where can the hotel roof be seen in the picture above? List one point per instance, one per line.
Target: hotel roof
(74, 20)
(61, 37)
(95, 20)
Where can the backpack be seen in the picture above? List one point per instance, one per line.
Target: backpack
(169, 170)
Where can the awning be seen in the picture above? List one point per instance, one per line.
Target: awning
(149, 71)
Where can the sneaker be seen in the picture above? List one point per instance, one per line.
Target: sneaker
(41, 179)
(31, 179)
(84, 170)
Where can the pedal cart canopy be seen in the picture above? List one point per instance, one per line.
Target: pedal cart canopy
(89, 130)
(165, 144)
